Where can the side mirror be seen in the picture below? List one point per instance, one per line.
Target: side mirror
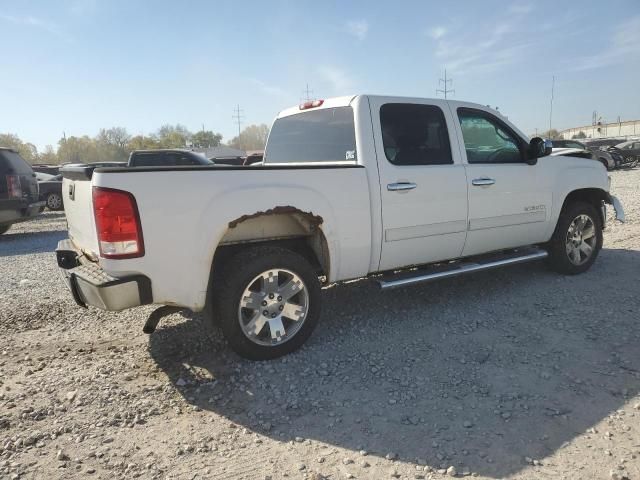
(538, 148)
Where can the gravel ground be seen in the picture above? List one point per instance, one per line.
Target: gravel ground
(518, 373)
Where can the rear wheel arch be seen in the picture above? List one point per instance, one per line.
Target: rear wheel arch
(297, 231)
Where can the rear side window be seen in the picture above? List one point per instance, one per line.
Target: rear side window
(326, 135)
(415, 134)
(12, 163)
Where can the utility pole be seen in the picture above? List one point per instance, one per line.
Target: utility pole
(307, 93)
(446, 81)
(237, 116)
(553, 83)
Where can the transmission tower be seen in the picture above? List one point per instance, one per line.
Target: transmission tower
(238, 116)
(445, 90)
(307, 93)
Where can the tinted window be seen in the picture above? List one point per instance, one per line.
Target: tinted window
(176, 158)
(567, 144)
(325, 135)
(11, 162)
(148, 160)
(414, 134)
(487, 139)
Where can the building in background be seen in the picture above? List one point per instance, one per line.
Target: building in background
(630, 128)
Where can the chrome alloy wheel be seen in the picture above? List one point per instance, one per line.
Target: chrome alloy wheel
(54, 201)
(273, 307)
(581, 239)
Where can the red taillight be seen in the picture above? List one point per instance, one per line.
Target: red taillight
(13, 186)
(117, 223)
(310, 104)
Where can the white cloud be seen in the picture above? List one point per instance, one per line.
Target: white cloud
(437, 32)
(83, 8)
(358, 28)
(488, 49)
(521, 8)
(623, 46)
(269, 89)
(336, 77)
(29, 21)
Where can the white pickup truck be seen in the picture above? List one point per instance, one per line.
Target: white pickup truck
(401, 189)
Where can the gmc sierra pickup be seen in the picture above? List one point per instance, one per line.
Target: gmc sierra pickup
(402, 189)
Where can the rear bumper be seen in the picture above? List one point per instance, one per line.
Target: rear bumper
(91, 285)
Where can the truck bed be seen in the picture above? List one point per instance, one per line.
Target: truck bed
(185, 211)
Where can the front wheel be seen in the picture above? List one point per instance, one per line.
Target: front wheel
(267, 300)
(577, 239)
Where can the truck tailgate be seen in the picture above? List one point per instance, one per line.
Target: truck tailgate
(78, 206)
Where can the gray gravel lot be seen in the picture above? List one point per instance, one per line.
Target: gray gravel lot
(518, 373)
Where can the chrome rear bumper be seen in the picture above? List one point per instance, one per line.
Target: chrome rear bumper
(91, 285)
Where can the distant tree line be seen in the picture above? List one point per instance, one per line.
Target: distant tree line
(115, 144)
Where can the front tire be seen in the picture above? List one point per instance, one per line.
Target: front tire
(267, 301)
(577, 239)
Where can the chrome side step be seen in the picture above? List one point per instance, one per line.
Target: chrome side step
(461, 268)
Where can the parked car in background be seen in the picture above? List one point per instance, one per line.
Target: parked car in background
(235, 161)
(50, 187)
(630, 151)
(19, 198)
(48, 169)
(166, 158)
(349, 187)
(576, 148)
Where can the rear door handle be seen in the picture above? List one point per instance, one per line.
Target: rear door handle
(400, 186)
(479, 182)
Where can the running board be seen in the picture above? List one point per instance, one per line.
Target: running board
(460, 268)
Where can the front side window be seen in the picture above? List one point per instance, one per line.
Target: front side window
(414, 134)
(326, 135)
(487, 140)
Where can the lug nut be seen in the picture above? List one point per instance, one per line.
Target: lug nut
(280, 308)
(265, 313)
(273, 315)
(264, 303)
(279, 298)
(271, 295)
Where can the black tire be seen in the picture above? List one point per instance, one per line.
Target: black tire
(4, 228)
(558, 255)
(54, 202)
(237, 274)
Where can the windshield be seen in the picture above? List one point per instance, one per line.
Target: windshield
(325, 135)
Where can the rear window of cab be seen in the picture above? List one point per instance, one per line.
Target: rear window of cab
(326, 135)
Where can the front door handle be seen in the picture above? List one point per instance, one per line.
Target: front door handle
(479, 182)
(400, 186)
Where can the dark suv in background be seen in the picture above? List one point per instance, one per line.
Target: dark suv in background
(19, 196)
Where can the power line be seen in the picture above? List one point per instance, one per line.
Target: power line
(446, 82)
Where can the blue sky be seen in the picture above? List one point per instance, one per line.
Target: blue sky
(79, 65)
